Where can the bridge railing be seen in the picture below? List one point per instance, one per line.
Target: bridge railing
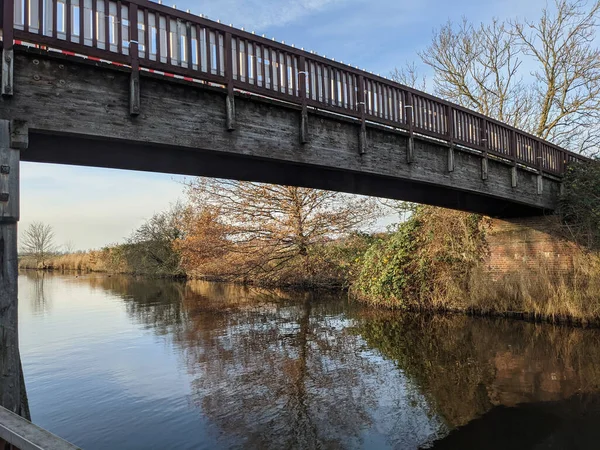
(152, 37)
(17, 433)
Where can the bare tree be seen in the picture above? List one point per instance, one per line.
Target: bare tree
(410, 75)
(477, 67)
(38, 242)
(68, 247)
(566, 103)
(542, 75)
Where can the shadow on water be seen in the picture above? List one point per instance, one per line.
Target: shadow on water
(277, 369)
(485, 376)
(565, 424)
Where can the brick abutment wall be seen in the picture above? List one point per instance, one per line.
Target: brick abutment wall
(529, 243)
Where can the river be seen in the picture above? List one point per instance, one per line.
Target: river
(123, 362)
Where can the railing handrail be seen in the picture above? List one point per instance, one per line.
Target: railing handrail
(346, 70)
(24, 435)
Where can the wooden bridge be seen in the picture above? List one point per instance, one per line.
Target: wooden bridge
(133, 84)
(137, 85)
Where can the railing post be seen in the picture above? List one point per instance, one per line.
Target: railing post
(410, 112)
(362, 137)
(450, 126)
(540, 162)
(303, 83)
(230, 100)
(8, 18)
(134, 55)
(512, 144)
(483, 139)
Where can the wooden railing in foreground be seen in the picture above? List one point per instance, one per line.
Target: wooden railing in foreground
(20, 434)
(151, 37)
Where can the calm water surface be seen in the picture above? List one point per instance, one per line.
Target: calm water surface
(117, 362)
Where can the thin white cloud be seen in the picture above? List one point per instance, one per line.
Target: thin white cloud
(262, 14)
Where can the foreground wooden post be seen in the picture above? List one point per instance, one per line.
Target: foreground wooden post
(13, 137)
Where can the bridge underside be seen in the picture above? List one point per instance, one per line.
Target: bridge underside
(78, 113)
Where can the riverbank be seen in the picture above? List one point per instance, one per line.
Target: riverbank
(401, 271)
(439, 261)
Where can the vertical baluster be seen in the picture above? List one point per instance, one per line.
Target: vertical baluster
(107, 24)
(209, 59)
(40, 17)
(218, 52)
(354, 92)
(384, 101)
(333, 82)
(272, 70)
(344, 89)
(384, 104)
(81, 20)
(294, 70)
(119, 19)
(159, 49)
(26, 15)
(169, 44)
(54, 18)
(178, 50)
(68, 19)
(392, 104)
(323, 82)
(263, 66)
(188, 46)
(255, 63)
(210, 54)
(95, 23)
(280, 78)
(286, 67)
(200, 48)
(369, 93)
(147, 42)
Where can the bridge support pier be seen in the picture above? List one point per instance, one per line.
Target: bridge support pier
(13, 138)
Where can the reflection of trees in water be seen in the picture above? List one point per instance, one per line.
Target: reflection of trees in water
(155, 303)
(270, 368)
(465, 366)
(41, 301)
(274, 370)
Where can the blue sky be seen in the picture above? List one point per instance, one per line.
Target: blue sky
(94, 207)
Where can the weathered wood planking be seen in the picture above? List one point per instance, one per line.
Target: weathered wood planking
(184, 129)
(24, 435)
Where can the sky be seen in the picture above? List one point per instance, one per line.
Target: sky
(90, 208)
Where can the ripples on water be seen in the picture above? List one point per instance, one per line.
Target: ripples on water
(118, 362)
